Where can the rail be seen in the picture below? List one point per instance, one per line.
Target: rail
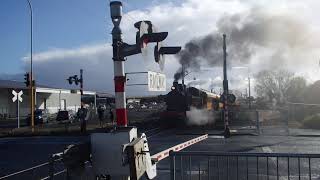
(41, 171)
(237, 165)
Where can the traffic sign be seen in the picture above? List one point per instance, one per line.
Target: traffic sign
(17, 96)
(156, 81)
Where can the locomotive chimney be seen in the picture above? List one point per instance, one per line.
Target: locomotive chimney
(183, 75)
(175, 85)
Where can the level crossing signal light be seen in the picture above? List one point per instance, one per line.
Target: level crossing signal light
(70, 80)
(27, 79)
(147, 34)
(231, 98)
(74, 79)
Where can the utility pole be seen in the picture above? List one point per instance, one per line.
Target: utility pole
(225, 90)
(32, 82)
(249, 92)
(81, 86)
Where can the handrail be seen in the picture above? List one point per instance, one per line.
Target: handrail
(243, 154)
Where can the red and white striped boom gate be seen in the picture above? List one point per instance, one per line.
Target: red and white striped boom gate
(164, 154)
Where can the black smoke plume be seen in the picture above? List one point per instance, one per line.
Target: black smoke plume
(247, 34)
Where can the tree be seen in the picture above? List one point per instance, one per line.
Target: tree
(296, 89)
(273, 85)
(312, 93)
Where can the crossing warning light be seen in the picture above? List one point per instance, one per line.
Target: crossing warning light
(69, 80)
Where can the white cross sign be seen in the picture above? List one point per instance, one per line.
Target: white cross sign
(17, 96)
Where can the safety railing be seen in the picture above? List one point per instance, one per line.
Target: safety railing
(243, 166)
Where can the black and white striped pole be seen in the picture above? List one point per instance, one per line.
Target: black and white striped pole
(225, 91)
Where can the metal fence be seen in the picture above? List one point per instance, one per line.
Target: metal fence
(290, 119)
(301, 115)
(243, 166)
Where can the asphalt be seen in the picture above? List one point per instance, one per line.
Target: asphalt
(18, 153)
(299, 141)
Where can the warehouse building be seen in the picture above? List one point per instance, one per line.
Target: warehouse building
(50, 99)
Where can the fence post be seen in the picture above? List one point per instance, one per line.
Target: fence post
(51, 168)
(258, 122)
(172, 166)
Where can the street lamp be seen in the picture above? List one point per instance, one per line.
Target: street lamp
(32, 83)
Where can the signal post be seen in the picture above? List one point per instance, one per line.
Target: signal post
(145, 35)
(114, 153)
(118, 60)
(225, 91)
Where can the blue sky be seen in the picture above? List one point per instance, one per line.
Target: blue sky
(74, 34)
(57, 24)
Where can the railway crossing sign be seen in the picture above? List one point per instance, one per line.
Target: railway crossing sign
(17, 96)
(156, 81)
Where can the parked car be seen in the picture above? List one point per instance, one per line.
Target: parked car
(65, 116)
(62, 116)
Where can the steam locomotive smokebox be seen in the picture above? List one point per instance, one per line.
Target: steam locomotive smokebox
(108, 155)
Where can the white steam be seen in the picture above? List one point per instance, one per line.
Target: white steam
(200, 117)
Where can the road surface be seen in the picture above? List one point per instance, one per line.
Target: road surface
(23, 152)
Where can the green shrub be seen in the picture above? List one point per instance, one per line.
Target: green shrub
(312, 122)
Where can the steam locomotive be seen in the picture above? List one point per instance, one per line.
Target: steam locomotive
(181, 98)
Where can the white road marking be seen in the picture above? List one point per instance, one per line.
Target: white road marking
(216, 137)
(267, 150)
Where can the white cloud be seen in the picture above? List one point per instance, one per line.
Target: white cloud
(190, 19)
(81, 52)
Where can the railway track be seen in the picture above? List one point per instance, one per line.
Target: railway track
(154, 132)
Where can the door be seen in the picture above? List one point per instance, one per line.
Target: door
(63, 104)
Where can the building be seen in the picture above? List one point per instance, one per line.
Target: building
(50, 99)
